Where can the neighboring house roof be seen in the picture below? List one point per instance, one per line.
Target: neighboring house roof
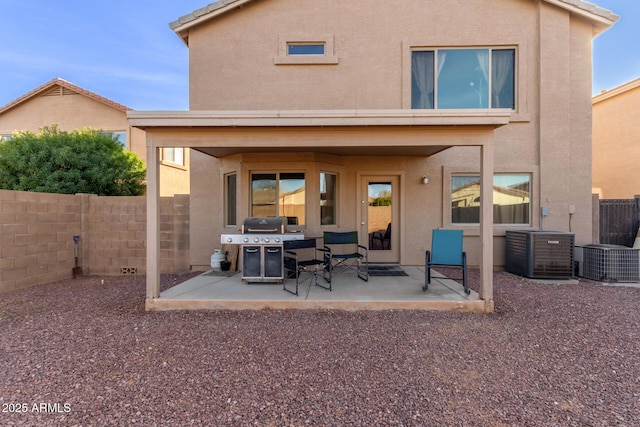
(602, 18)
(606, 94)
(61, 85)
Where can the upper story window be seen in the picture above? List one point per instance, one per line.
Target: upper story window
(120, 136)
(174, 155)
(305, 49)
(4, 138)
(479, 78)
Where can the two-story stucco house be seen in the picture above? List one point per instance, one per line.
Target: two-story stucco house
(414, 101)
(616, 142)
(72, 107)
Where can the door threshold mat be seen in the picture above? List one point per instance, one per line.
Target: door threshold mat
(386, 270)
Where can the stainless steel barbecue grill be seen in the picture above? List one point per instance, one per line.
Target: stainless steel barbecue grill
(261, 240)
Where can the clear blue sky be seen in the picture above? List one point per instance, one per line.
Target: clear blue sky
(124, 49)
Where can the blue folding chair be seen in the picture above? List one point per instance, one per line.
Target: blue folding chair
(343, 252)
(446, 251)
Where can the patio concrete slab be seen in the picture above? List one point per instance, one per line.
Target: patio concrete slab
(218, 291)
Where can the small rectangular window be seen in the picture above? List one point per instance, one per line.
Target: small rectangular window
(230, 199)
(305, 49)
(511, 199)
(328, 198)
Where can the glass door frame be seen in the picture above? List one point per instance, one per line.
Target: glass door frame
(381, 256)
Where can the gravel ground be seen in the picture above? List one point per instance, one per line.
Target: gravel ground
(79, 352)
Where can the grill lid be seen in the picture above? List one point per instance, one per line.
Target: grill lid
(264, 225)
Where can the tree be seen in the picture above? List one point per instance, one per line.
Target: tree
(81, 161)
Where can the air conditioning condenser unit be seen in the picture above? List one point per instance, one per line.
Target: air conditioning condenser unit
(540, 254)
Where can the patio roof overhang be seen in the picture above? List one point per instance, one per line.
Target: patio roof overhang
(349, 132)
(337, 132)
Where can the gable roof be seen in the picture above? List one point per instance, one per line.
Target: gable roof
(624, 88)
(602, 18)
(63, 87)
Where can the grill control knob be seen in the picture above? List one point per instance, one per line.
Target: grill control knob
(246, 240)
(256, 239)
(266, 240)
(277, 240)
(229, 240)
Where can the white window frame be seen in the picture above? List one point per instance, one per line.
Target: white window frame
(489, 49)
(521, 112)
(284, 40)
(171, 159)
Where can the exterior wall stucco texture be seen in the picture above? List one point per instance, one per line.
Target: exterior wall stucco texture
(616, 145)
(71, 111)
(549, 135)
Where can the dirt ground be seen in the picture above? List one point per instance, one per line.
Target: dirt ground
(84, 352)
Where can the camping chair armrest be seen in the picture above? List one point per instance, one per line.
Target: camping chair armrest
(363, 248)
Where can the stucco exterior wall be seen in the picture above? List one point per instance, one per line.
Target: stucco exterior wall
(71, 111)
(231, 59)
(616, 142)
(234, 66)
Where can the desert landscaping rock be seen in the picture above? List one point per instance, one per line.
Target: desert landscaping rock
(85, 353)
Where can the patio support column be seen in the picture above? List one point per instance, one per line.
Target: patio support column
(486, 220)
(153, 223)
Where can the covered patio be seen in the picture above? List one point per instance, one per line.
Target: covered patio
(214, 290)
(379, 133)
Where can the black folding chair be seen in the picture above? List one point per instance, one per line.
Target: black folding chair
(343, 252)
(382, 238)
(304, 261)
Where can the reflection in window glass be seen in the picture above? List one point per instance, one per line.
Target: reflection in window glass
(230, 199)
(511, 199)
(292, 195)
(463, 78)
(120, 136)
(282, 194)
(305, 49)
(328, 198)
(263, 195)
